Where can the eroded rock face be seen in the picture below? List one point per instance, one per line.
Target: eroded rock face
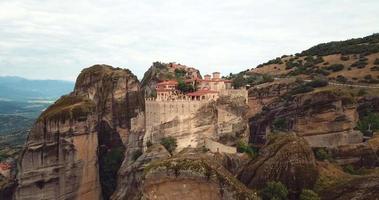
(187, 175)
(7, 188)
(324, 119)
(223, 121)
(63, 157)
(131, 174)
(364, 188)
(286, 158)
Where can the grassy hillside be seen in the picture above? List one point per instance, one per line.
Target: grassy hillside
(350, 61)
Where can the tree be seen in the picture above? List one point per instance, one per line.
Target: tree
(280, 124)
(185, 88)
(274, 190)
(239, 81)
(309, 195)
(169, 143)
(369, 123)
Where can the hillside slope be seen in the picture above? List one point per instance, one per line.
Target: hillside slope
(350, 61)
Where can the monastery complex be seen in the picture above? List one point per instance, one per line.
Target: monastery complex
(172, 105)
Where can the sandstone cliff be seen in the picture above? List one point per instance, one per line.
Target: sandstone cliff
(76, 146)
(190, 174)
(286, 158)
(325, 118)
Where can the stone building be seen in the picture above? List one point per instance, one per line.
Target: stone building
(173, 113)
(5, 169)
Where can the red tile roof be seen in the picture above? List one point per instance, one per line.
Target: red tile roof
(5, 166)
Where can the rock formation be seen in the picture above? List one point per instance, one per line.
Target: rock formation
(286, 158)
(190, 174)
(77, 145)
(325, 118)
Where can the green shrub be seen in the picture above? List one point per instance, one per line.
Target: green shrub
(136, 154)
(335, 67)
(366, 45)
(369, 123)
(309, 195)
(359, 64)
(344, 58)
(180, 73)
(169, 143)
(301, 89)
(350, 169)
(274, 191)
(317, 83)
(376, 62)
(280, 124)
(322, 154)
(243, 147)
(375, 68)
(239, 81)
(341, 79)
(185, 88)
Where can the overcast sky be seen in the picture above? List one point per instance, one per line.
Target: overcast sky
(56, 39)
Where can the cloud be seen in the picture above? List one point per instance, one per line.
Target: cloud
(53, 39)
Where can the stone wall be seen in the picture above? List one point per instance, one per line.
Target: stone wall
(159, 112)
(218, 147)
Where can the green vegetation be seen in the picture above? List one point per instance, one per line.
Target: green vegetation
(243, 147)
(344, 58)
(369, 123)
(241, 79)
(185, 88)
(375, 68)
(361, 63)
(367, 45)
(322, 154)
(341, 79)
(136, 154)
(69, 107)
(280, 124)
(110, 164)
(169, 143)
(270, 62)
(369, 79)
(335, 67)
(180, 73)
(305, 87)
(274, 191)
(376, 62)
(309, 195)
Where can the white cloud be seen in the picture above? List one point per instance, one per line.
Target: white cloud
(55, 39)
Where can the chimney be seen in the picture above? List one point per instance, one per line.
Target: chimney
(216, 75)
(207, 77)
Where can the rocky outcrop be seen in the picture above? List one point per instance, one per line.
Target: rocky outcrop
(188, 175)
(325, 118)
(7, 188)
(222, 121)
(77, 145)
(286, 158)
(131, 175)
(363, 188)
(159, 72)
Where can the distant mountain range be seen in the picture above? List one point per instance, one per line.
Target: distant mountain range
(21, 89)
